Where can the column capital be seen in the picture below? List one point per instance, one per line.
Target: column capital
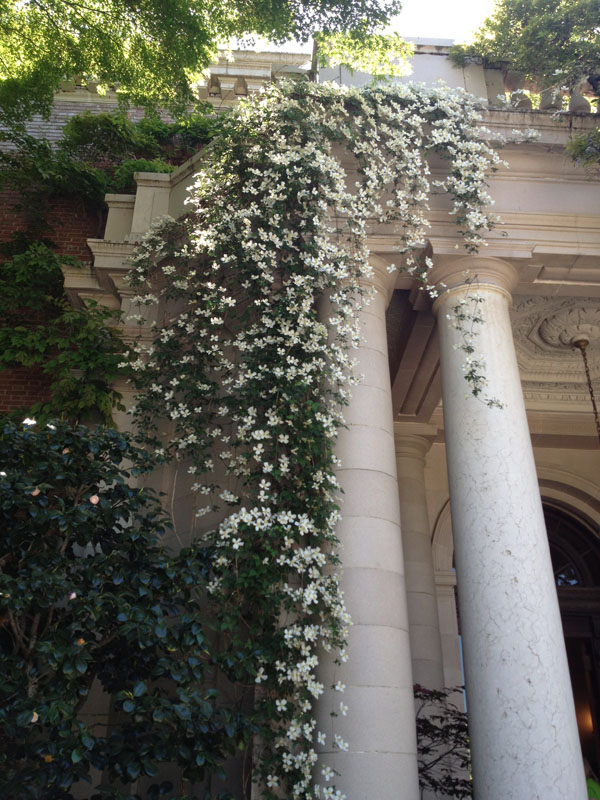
(413, 439)
(451, 272)
(381, 278)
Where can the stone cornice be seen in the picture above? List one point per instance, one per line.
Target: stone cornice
(120, 200)
(554, 128)
(452, 246)
(555, 398)
(445, 577)
(152, 180)
(104, 248)
(517, 235)
(104, 281)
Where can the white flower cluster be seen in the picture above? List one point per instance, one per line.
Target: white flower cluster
(258, 290)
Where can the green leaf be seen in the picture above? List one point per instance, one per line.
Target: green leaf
(183, 712)
(81, 665)
(133, 770)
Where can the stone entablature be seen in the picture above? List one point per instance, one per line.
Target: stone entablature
(550, 232)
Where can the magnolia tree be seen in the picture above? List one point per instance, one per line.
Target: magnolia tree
(89, 598)
(261, 285)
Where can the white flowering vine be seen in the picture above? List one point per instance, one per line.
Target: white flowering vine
(258, 291)
(465, 316)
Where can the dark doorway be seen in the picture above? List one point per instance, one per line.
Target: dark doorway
(575, 552)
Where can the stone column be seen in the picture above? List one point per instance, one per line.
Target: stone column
(445, 584)
(424, 626)
(379, 727)
(522, 722)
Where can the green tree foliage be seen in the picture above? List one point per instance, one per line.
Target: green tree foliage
(110, 137)
(556, 42)
(121, 147)
(379, 55)
(88, 594)
(152, 49)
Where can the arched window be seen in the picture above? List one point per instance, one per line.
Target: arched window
(575, 553)
(574, 549)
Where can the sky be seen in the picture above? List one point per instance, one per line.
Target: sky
(441, 19)
(429, 19)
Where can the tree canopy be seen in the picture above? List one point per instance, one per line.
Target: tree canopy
(152, 49)
(556, 42)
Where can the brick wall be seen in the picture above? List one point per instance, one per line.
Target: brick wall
(71, 226)
(22, 387)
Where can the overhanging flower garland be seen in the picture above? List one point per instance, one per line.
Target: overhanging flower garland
(254, 379)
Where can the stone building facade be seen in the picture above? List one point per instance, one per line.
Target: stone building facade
(440, 488)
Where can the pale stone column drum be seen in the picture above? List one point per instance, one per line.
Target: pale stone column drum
(379, 727)
(523, 731)
(424, 625)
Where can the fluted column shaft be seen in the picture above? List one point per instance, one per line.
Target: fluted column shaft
(523, 731)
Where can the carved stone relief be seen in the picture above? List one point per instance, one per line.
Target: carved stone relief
(545, 330)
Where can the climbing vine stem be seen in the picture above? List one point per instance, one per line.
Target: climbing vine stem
(252, 381)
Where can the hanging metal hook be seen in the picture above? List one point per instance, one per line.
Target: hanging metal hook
(581, 344)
